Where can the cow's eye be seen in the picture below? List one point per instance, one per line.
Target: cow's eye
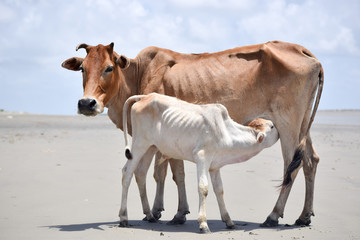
(109, 69)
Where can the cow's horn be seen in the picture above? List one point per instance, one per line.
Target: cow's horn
(81, 45)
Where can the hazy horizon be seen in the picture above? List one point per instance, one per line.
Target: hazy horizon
(37, 36)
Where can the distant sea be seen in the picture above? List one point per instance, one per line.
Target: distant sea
(338, 117)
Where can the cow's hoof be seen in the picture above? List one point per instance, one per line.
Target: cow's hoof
(301, 222)
(151, 219)
(124, 223)
(157, 215)
(230, 226)
(177, 220)
(270, 223)
(204, 230)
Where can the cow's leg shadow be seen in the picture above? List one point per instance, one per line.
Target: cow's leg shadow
(161, 226)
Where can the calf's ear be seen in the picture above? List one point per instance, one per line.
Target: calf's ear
(123, 61)
(73, 63)
(260, 137)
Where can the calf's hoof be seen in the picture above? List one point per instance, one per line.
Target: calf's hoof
(124, 223)
(270, 223)
(301, 222)
(205, 230)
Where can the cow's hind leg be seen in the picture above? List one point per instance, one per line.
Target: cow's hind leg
(219, 192)
(177, 168)
(309, 167)
(289, 141)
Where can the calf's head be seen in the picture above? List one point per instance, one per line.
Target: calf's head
(266, 133)
(102, 73)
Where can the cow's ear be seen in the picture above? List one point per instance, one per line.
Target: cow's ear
(260, 137)
(123, 62)
(73, 63)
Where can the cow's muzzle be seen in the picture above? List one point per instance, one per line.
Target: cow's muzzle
(88, 107)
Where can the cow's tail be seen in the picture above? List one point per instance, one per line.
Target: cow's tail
(300, 150)
(130, 100)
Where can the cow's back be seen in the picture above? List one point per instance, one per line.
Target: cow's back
(250, 81)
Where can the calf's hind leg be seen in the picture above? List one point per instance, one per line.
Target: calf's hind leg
(127, 173)
(140, 176)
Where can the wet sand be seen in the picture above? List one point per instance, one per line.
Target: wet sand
(60, 178)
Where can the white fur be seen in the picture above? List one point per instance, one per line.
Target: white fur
(203, 134)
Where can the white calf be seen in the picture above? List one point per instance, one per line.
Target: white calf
(203, 134)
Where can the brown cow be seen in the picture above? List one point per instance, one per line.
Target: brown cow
(275, 80)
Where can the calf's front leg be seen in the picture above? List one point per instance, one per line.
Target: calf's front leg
(203, 188)
(219, 192)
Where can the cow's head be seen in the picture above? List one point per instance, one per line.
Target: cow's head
(266, 133)
(101, 71)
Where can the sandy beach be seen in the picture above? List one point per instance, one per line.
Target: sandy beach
(60, 178)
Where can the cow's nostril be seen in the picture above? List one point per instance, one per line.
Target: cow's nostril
(92, 104)
(81, 103)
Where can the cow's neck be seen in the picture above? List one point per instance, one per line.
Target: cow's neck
(128, 87)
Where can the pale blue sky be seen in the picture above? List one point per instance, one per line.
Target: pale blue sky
(36, 36)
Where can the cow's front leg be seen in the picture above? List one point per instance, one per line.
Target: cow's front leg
(160, 170)
(140, 176)
(177, 168)
(219, 192)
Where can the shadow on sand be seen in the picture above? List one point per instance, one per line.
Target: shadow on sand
(161, 226)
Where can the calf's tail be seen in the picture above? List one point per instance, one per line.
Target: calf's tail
(130, 100)
(300, 150)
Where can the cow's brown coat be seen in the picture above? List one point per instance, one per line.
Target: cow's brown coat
(275, 80)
